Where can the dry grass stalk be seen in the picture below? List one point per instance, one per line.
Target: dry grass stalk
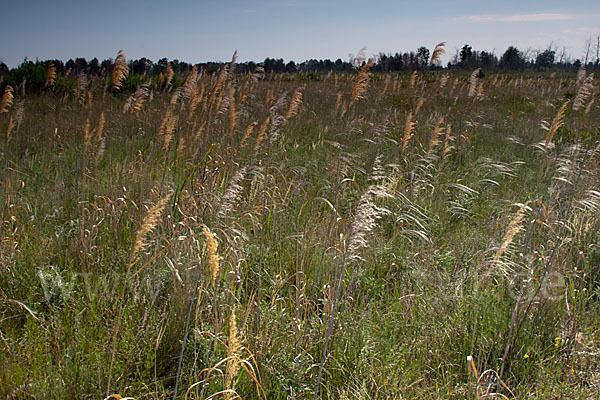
(22, 86)
(386, 84)
(120, 70)
(234, 350)
(169, 75)
(19, 113)
(294, 103)
(51, 76)
(343, 109)
(11, 125)
(232, 110)
(359, 86)
(479, 93)
(419, 105)
(269, 98)
(248, 131)
(584, 92)
(86, 136)
(434, 139)
(261, 133)
(100, 126)
(447, 139)
(438, 51)
(473, 82)
(213, 257)
(149, 222)
(408, 129)
(413, 78)
(514, 227)
(7, 99)
(556, 123)
(338, 102)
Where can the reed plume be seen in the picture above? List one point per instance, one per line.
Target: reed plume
(248, 131)
(557, 122)
(473, 82)
(585, 90)
(7, 99)
(413, 78)
(447, 139)
(294, 103)
(408, 129)
(120, 70)
(261, 133)
(434, 139)
(359, 86)
(232, 110)
(514, 227)
(169, 75)
(234, 349)
(149, 223)
(438, 51)
(213, 257)
(51, 75)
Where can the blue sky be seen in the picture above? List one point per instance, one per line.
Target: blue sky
(197, 31)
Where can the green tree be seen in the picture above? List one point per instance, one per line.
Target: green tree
(423, 55)
(545, 59)
(512, 59)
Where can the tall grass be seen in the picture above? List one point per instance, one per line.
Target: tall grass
(353, 237)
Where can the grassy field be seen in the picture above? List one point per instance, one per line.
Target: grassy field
(361, 235)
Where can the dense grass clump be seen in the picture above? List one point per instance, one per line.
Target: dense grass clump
(347, 237)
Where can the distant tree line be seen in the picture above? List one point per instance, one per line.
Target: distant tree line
(466, 58)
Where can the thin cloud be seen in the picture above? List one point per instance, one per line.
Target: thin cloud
(519, 17)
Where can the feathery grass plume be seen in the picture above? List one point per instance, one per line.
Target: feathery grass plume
(232, 194)
(234, 349)
(413, 78)
(195, 100)
(191, 83)
(338, 102)
(136, 101)
(7, 99)
(386, 84)
(438, 51)
(473, 82)
(359, 86)
(232, 111)
(175, 97)
(366, 216)
(447, 139)
(233, 61)
(419, 105)
(294, 103)
(248, 131)
(82, 83)
(261, 133)
(149, 222)
(434, 139)
(343, 109)
(168, 131)
(581, 74)
(11, 125)
(479, 94)
(514, 227)
(169, 75)
(218, 85)
(100, 127)
(199, 131)
(584, 92)
(19, 112)
(556, 123)
(22, 86)
(86, 136)
(408, 129)
(120, 70)
(51, 75)
(243, 94)
(213, 257)
(269, 98)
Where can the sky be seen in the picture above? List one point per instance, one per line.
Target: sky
(201, 30)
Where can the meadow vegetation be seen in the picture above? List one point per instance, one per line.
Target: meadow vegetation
(358, 236)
